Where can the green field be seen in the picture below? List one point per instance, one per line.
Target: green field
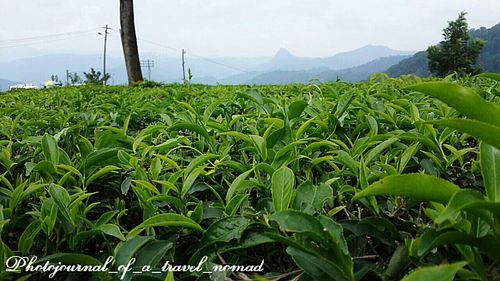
(338, 181)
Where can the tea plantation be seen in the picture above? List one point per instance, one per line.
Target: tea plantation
(392, 179)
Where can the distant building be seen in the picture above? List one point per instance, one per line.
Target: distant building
(52, 83)
(23, 86)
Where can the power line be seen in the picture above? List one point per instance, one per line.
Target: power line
(194, 55)
(48, 36)
(69, 35)
(28, 43)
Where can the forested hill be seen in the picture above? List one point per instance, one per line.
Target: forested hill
(489, 58)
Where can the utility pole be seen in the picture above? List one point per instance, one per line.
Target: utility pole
(148, 64)
(104, 55)
(183, 68)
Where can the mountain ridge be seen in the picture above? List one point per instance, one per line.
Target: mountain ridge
(168, 69)
(489, 58)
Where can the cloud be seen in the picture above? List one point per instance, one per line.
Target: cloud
(248, 27)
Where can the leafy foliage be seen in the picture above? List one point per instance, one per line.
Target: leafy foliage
(94, 77)
(333, 181)
(489, 57)
(457, 52)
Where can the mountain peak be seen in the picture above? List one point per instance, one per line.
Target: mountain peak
(283, 54)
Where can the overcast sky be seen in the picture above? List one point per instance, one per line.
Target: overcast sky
(312, 28)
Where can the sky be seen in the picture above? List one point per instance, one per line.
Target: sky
(236, 28)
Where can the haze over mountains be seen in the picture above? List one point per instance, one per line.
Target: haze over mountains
(284, 67)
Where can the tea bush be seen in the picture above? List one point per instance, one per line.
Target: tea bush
(383, 180)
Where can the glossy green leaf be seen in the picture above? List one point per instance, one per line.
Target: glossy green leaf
(463, 99)
(310, 198)
(147, 185)
(125, 251)
(101, 157)
(234, 188)
(490, 168)
(417, 186)
(50, 149)
(295, 109)
(282, 188)
(459, 201)
(225, 230)
(377, 150)
(102, 172)
(432, 239)
(165, 220)
(62, 200)
(483, 131)
(492, 76)
(234, 204)
(445, 272)
(317, 267)
(191, 127)
(152, 253)
(29, 234)
(195, 163)
(112, 230)
(296, 221)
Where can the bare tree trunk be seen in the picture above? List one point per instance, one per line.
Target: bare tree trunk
(129, 41)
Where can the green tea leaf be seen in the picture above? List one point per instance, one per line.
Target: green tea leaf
(62, 200)
(165, 220)
(225, 230)
(191, 127)
(317, 267)
(295, 109)
(101, 157)
(432, 239)
(102, 172)
(29, 234)
(234, 204)
(126, 250)
(483, 131)
(490, 168)
(492, 76)
(195, 163)
(296, 221)
(310, 198)
(235, 185)
(463, 99)
(50, 149)
(282, 188)
(417, 186)
(444, 272)
(153, 252)
(112, 230)
(457, 202)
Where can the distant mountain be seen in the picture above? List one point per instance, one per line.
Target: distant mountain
(226, 70)
(39, 69)
(363, 55)
(416, 65)
(362, 72)
(490, 54)
(5, 84)
(489, 59)
(357, 73)
(166, 69)
(284, 60)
